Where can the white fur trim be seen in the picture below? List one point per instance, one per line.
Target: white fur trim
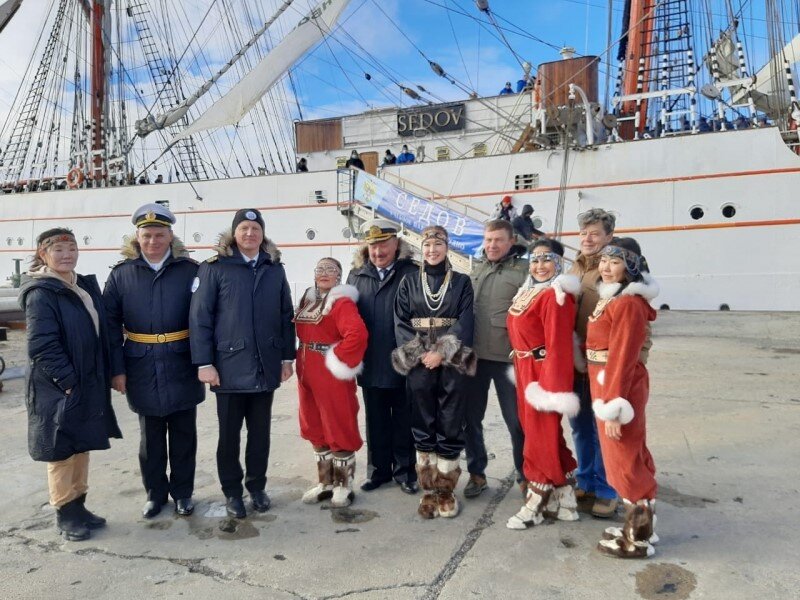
(578, 354)
(446, 465)
(566, 403)
(565, 284)
(337, 293)
(647, 289)
(512, 376)
(339, 369)
(607, 290)
(617, 409)
(601, 377)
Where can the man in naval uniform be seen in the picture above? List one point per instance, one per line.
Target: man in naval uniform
(378, 267)
(147, 298)
(243, 343)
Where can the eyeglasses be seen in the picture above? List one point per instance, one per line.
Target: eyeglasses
(326, 270)
(544, 258)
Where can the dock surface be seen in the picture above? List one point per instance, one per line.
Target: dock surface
(723, 427)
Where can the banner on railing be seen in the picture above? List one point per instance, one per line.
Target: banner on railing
(415, 213)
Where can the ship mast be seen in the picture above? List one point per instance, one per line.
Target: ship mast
(99, 90)
(636, 63)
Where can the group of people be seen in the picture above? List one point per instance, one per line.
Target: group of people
(423, 342)
(522, 222)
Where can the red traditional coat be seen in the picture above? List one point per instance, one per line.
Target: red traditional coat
(615, 338)
(326, 376)
(620, 384)
(541, 320)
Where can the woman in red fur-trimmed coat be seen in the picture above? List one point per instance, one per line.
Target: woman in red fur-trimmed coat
(616, 339)
(333, 340)
(540, 324)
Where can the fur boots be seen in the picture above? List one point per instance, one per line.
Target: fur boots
(324, 489)
(343, 471)
(636, 537)
(532, 512)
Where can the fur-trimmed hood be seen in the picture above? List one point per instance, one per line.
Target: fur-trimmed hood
(337, 293)
(225, 244)
(562, 285)
(647, 289)
(361, 255)
(132, 250)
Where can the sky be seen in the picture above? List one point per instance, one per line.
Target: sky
(390, 40)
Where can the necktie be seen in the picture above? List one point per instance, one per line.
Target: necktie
(382, 273)
(251, 264)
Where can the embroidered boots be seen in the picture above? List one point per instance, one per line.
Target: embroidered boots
(324, 489)
(636, 537)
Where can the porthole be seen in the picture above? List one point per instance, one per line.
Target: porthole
(697, 213)
(347, 233)
(724, 307)
(537, 223)
(197, 236)
(728, 211)
(311, 234)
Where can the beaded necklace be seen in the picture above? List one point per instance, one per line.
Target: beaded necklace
(433, 300)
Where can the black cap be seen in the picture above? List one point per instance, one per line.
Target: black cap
(247, 214)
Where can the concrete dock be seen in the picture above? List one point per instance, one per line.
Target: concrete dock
(723, 427)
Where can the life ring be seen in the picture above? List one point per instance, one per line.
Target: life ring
(74, 178)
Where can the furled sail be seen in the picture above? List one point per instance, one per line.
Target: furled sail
(7, 10)
(771, 93)
(234, 105)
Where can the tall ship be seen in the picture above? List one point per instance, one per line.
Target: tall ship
(684, 125)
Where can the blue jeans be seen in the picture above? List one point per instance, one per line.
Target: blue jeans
(590, 474)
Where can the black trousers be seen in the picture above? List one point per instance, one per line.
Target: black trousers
(491, 371)
(173, 437)
(437, 410)
(256, 411)
(390, 447)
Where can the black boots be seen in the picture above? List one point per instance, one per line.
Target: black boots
(91, 520)
(70, 522)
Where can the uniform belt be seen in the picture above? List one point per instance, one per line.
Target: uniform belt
(536, 353)
(157, 338)
(432, 322)
(597, 356)
(316, 347)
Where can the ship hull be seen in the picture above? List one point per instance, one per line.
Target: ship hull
(739, 253)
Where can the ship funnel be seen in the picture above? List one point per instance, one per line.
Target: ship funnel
(567, 52)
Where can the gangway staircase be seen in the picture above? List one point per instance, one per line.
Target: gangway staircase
(357, 213)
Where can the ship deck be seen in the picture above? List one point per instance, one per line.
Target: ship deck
(724, 429)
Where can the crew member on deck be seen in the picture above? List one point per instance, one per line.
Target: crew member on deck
(333, 340)
(405, 156)
(147, 298)
(355, 161)
(434, 327)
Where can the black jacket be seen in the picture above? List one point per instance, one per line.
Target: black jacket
(454, 341)
(523, 226)
(241, 319)
(355, 162)
(65, 353)
(376, 305)
(161, 378)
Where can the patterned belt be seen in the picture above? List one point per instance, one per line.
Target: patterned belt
(432, 322)
(597, 356)
(536, 354)
(157, 338)
(315, 347)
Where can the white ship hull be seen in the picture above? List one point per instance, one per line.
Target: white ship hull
(747, 261)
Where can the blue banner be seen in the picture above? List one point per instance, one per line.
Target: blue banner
(415, 213)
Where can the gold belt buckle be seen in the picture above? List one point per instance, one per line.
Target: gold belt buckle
(161, 338)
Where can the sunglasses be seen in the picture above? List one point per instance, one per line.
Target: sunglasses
(326, 270)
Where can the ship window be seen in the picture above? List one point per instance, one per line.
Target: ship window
(528, 181)
(347, 233)
(479, 149)
(537, 222)
(697, 213)
(311, 234)
(442, 153)
(728, 211)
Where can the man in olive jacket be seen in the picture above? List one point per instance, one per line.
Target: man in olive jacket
(495, 281)
(147, 299)
(378, 267)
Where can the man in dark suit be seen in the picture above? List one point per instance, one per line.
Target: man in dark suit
(379, 266)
